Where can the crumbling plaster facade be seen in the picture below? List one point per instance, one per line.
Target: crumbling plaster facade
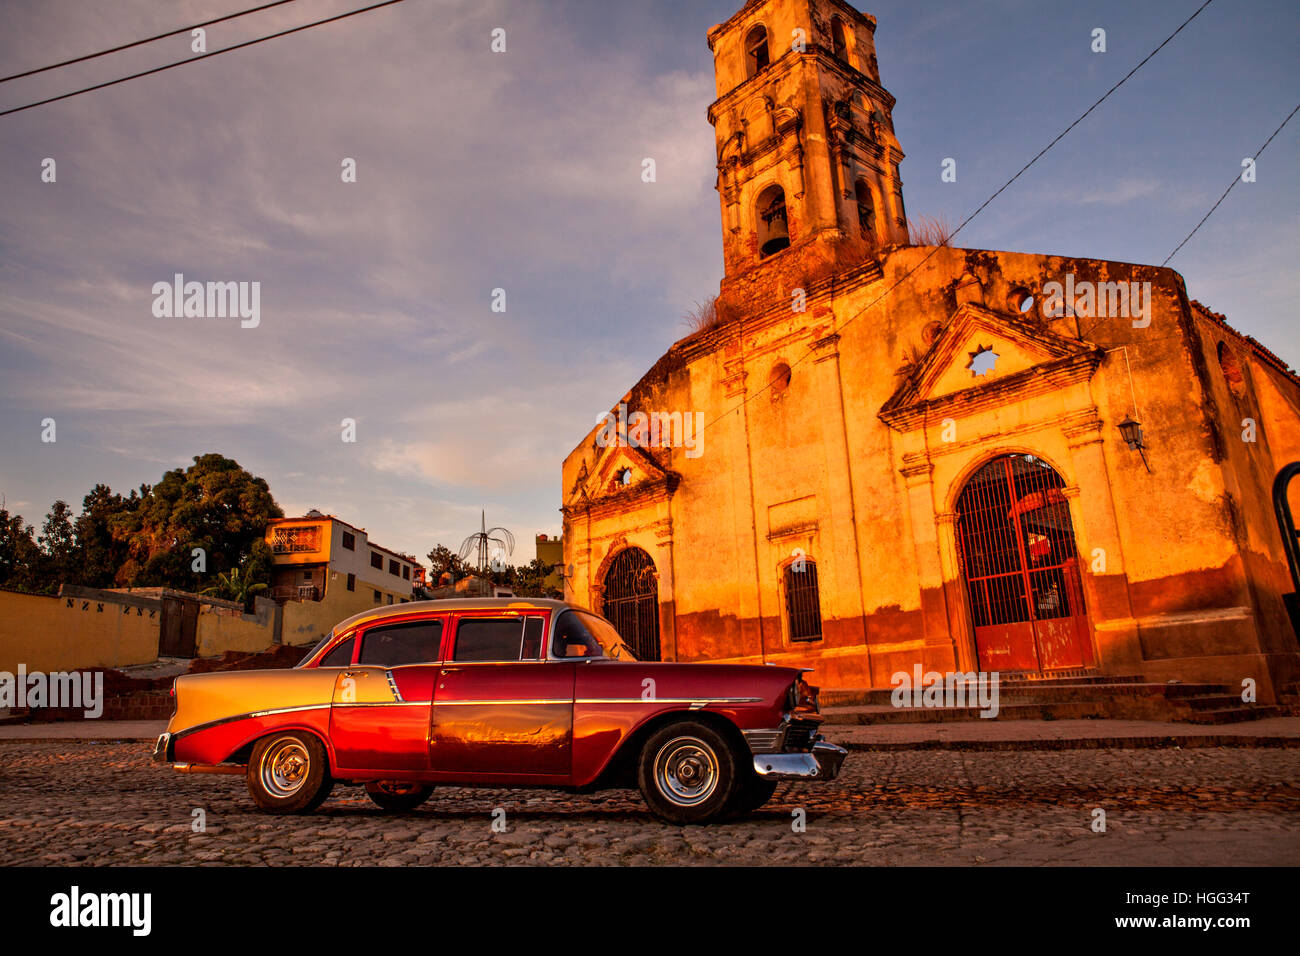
(846, 431)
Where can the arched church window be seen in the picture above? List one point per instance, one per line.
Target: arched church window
(773, 228)
(757, 55)
(839, 44)
(866, 209)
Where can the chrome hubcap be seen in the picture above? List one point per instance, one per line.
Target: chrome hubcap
(284, 767)
(686, 771)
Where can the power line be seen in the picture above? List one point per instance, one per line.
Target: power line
(202, 56)
(1235, 179)
(127, 46)
(1041, 153)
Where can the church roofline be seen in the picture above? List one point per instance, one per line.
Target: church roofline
(727, 25)
(1262, 351)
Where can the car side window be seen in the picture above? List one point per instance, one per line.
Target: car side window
(483, 639)
(341, 656)
(411, 642)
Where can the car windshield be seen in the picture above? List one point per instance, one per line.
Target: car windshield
(580, 634)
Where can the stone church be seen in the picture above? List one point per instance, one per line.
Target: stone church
(920, 455)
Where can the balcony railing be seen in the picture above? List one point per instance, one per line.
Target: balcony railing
(301, 592)
(295, 540)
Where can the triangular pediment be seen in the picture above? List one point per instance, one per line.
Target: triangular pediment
(981, 352)
(616, 470)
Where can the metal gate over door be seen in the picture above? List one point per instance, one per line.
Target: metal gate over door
(1015, 542)
(631, 602)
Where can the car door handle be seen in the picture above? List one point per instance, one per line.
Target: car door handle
(451, 670)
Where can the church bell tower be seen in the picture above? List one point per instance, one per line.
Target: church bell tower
(805, 136)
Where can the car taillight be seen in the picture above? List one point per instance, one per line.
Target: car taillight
(806, 695)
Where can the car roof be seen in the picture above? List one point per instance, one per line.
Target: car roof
(454, 604)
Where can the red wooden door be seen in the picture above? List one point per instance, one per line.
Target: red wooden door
(1017, 552)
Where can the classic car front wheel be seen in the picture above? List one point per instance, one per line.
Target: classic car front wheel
(289, 773)
(687, 772)
(395, 796)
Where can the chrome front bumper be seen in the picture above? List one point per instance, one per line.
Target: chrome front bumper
(162, 749)
(821, 763)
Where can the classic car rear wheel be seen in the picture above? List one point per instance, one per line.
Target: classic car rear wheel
(687, 772)
(289, 773)
(392, 795)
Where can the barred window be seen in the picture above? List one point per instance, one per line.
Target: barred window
(802, 601)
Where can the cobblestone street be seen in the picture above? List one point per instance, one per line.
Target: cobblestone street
(103, 803)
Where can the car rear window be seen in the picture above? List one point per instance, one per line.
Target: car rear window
(481, 639)
(411, 642)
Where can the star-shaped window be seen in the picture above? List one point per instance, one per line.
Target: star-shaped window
(982, 361)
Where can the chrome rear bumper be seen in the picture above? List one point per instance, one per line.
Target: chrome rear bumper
(821, 763)
(162, 749)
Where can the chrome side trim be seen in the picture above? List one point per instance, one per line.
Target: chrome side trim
(695, 702)
(258, 713)
(386, 703)
(536, 700)
(765, 741)
(392, 685)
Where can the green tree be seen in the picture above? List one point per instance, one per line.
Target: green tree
(99, 555)
(21, 561)
(441, 560)
(234, 586)
(58, 544)
(215, 505)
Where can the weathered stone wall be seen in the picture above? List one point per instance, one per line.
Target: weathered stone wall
(1190, 575)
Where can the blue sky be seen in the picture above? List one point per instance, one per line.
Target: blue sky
(521, 171)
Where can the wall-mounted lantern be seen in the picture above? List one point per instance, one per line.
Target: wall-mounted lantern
(1131, 432)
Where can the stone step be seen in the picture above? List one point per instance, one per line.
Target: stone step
(878, 714)
(1207, 708)
(1232, 715)
(1039, 692)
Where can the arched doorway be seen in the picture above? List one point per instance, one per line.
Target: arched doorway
(1015, 542)
(631, 601)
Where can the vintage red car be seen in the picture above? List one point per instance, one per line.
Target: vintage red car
(499, 692)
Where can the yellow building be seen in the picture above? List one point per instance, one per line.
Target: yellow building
(324, 559)
(550, 551)
(884, 455)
